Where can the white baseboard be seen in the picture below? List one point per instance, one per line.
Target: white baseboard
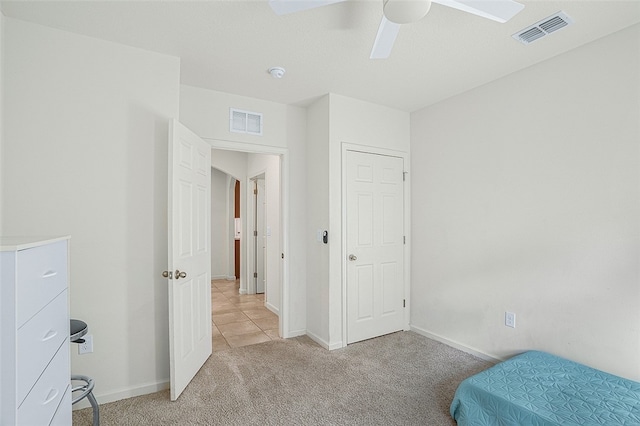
(324, 343)
(123, 394)
(272, 308)
(218, 277)
(457, 345)
(231, 278)
(297, 333)
(336, 345)
(318, 339)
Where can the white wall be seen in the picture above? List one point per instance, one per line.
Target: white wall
(270, 166)
(1, 145)
(85, 154)
(234, 164)
(318, 219)
(295, 175)
(231, 162)
(354, 122)
(219, 224)
(206, 112)
(528, 202)
(1, 111)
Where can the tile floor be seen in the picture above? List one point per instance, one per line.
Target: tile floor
(239, 319)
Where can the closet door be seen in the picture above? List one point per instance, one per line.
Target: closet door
(375, 245)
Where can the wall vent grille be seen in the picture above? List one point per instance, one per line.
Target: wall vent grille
(245, 122)
(543, 28)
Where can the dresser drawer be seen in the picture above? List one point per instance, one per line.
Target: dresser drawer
(39, 340)
(41, 275)
(43, 400)
(63, 416)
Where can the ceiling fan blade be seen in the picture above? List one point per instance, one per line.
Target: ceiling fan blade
(387, 33)
(497, 10)
(284, 7)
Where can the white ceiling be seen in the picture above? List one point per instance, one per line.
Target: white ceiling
(229, 45)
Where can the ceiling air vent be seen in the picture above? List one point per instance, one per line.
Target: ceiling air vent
(245, 122)
(543, 28)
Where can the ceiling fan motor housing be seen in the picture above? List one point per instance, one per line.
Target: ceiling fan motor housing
(405, 11)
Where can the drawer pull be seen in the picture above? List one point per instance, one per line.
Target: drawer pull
(50, 335)
(51, 396)
(49, 274)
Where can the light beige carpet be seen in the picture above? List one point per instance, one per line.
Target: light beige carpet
(398, 379)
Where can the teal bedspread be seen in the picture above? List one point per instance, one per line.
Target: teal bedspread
(540, 389)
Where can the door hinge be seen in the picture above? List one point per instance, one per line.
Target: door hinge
(255, 233)
(404, 303)
(255, 275)
(282, 254)
(255, 191)
(404, 239)
(404, 176)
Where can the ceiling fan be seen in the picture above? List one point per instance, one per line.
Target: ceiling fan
(398, 12)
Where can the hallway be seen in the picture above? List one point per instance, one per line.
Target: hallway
(239, 320)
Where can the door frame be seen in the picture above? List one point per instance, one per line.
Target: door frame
(283, 153)
(252, 214)
(346, 146)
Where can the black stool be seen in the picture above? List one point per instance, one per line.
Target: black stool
(78, 329)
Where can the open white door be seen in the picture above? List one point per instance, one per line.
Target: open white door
(189, 255)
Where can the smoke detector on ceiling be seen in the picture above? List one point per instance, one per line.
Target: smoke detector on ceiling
(277, 72)
(543, 28)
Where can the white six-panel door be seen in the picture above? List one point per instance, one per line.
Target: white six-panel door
(261, 239)
(375, 263)
(189, 255)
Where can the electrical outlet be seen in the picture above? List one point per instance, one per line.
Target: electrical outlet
(87, 346)
(510, 319)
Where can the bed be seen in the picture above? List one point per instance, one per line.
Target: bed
(540, 389)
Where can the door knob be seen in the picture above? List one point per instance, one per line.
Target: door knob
(167, 274)
(179, 274)
(352, 257)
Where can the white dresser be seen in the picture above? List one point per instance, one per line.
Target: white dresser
(34, 357)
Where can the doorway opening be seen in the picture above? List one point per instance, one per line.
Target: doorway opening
(247, 305)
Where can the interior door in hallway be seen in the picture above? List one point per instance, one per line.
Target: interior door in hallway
(375, 252)
(189, 256)
(261, 236)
